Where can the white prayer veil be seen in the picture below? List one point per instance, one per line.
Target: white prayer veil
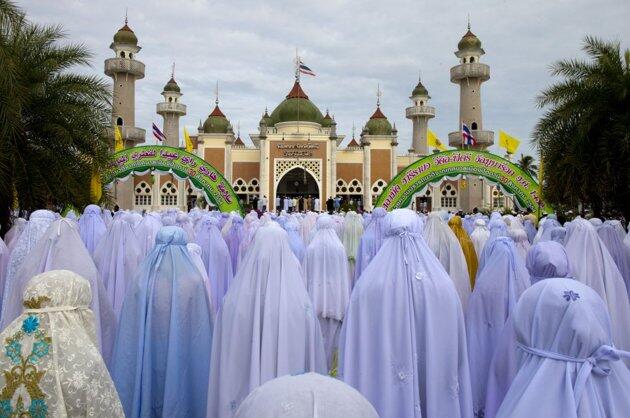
(50, 364)
(446, 247)
(568, 364)
(309, 395)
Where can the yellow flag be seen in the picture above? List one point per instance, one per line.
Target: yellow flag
(118, 141)
(189, 144)
(96, 188)
(508, 142)
(434, 142)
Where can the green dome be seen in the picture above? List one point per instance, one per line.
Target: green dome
(420, 90)
(125, 36)
(469, 42)
(216, 123)
(171, 85)
(327, 121)
(378, 124)
(287, 111)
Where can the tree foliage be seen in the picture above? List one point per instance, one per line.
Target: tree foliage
(584, 135)
(52, 118)
(526, 163)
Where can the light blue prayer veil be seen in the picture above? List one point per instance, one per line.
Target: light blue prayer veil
(162, 353)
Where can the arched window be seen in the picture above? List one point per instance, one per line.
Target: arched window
(421, 102)
(449, 196)
(143, 194)
(472, 59)
(498, 199)
(168, 194)
(119, 121)
(122, 54)
(464, 60)
(474, 126)
(130, 55)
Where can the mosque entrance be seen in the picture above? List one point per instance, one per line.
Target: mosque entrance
(298, 182)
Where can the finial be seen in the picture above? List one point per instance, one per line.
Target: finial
(468, 21)
(238, 128)
(126, 19)
(379, 93)
(297, 66)
(173, 71)
(419, 75)
(354, 128)
(216, 94)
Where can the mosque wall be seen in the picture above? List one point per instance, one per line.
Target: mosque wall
(381, 164)
(215, 157)
(246, 170)
(349, 171)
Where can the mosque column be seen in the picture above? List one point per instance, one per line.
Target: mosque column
(264, 174)
(367, 174)
(332, 165)
(228, 160)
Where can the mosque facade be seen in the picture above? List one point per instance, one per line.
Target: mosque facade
(297, 150)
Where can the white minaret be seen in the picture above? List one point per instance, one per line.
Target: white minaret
(125, 69)
(171, 110)
(469, 74)
(420, 113)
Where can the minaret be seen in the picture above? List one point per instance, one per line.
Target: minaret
(171, 110)
(469, 74)
(124, 69)
(420, 113)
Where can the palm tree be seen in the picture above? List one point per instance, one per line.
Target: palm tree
(584, 135)
(52, 120)
(526, 163)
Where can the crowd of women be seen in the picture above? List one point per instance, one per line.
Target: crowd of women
(209, 314)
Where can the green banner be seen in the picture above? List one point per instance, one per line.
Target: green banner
(159, 157)
(432, 168)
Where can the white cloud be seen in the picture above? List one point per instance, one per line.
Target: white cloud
(352, 46)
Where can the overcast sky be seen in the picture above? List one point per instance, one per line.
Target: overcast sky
(249, 46)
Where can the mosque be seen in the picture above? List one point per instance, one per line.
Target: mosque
(297, 150)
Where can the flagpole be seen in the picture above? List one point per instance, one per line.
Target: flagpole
(297, 80)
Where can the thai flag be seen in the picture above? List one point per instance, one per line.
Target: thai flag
(304, 69)
(159, 135)
(467, 137)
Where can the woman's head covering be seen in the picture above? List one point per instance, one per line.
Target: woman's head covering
(308, 395)
(92, 227)
(389, 351)
(519, 236)
(479, 236)
(499, 285)
(12, 235)
(37, 225)
(61, 248)
(497, 228)
(530, 229)
(371, 240)
(558, 234)
(233, 238)
(546, 260)
(612, 238)
(569, 366)
(455, 223)
(117, 257)
(325, 267)
(292, 226)
(267, 326)
(161, 360)
(50, 362)
(446, 247)
(592, 265)
(545, 228)
(147, 230)
(216, 258)
(351, 236)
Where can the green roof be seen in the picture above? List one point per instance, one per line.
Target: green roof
(171, 85)
(327, 121)
(125, 36)
(469, 42)
(296, 107)
(216, 123)
(420, 90)
(378, 124)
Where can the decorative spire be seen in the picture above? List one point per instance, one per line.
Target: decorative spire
(126, 19)
(468, 21)
(379, 93)
(216, 94)
(173, 71)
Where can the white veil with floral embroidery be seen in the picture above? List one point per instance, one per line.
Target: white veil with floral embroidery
(49, 362)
